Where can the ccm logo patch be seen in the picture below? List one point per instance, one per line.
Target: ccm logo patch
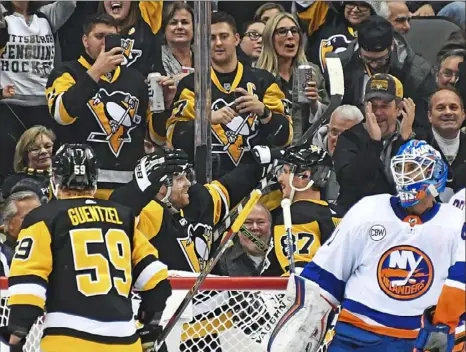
(377, 232)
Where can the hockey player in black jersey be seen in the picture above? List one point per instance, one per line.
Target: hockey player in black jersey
(302, 173)
(78, 258)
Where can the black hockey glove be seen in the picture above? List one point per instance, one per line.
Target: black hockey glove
(153, 169)
(150, 331)
(5, 338)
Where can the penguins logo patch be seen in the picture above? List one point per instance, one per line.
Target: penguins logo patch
(130, 54)
(233, 138)
(336, 43)
(197, 245)
(117, 116)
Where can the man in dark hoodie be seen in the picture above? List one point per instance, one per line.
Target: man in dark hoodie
(379, 50)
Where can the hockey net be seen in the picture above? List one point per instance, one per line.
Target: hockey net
(227, 314)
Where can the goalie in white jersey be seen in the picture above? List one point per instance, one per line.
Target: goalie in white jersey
(385, 264)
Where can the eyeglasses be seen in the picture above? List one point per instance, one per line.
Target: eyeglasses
(283, 31)
(403, 19)
(253, 35)
(379, 61)
(360, 6)
(36, 149)
(449, 74)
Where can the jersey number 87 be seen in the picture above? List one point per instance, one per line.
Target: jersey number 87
(304, 242)
(96, 278)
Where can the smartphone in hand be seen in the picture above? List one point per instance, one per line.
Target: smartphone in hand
(112, 41)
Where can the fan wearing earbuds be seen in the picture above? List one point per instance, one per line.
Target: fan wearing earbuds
(302, 173)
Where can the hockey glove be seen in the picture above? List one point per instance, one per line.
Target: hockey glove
(150, 331)
(155, 168)
(5, 338)
(433, 338)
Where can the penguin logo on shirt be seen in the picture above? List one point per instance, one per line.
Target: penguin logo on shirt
(233, 138)
(405, 273)
(129, 52)
(196, 245)
(117, 116)
(337, 43)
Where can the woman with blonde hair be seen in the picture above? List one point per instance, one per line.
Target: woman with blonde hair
(282, 53)
(32, 160)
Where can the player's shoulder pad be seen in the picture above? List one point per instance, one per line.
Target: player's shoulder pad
(307, 211)
(450, 215)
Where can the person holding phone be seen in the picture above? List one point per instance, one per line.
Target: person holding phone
(104, 103)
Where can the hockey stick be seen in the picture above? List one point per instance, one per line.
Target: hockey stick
(286, 204)
(238, 215)
(337, 90)
(261, 245)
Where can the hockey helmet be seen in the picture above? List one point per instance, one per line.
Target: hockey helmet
(74, 167)
(418, 169)
(308, 158)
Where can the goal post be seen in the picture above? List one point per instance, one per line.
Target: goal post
(228, 314)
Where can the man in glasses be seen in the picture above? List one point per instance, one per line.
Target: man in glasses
(448, 71)
(399, 16)
(378, 50)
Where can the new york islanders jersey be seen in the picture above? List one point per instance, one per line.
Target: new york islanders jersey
(111, 116)
(385, 266)
(78, 259)
(313, 223)
(232, 142)
(458, 199)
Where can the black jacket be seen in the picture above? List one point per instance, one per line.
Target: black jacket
(410, 68)
(359, 169)
(236, 262)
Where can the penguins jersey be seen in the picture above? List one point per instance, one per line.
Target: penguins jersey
(185, 240)
(385, 266)
(313, 223)
(78, 258)
(231, 143)
(142, 47)
(458, 199)
(111, 116)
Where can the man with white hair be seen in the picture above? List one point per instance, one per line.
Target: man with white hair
(343, 118)
(399, 16)
(16, 207)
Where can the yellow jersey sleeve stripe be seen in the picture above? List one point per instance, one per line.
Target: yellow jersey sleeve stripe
(151, 276)
(54, 96)
(141, 248)
(36, 258)
(29, 300)
(150, 220)
(219, 194)
(151, 13)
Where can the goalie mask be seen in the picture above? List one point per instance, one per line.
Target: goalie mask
(74, 167)
(418, 170)
(299, 159)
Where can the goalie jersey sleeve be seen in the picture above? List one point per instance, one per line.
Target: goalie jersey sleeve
(452, 302)
(77, 260)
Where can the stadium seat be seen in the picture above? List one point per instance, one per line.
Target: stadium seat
(428, 35)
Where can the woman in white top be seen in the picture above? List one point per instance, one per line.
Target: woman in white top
(27, 39)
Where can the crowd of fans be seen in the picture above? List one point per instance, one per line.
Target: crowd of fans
(61, 84)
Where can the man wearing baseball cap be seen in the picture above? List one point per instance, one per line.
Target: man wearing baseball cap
(362, 155)
(379, 50)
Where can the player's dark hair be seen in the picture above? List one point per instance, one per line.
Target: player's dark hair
(451, 89)
(223, 17)
(98, 18)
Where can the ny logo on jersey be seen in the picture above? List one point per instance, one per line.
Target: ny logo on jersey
(117, 116)
(405, 273)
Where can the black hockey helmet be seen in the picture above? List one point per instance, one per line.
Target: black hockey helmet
(74, 167)
(308, 158)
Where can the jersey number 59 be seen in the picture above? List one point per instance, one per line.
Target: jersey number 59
(94, 275)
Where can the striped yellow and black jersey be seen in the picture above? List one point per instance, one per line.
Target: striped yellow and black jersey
(78, 260)
(313, 223)
(112, 116)
(231, 143)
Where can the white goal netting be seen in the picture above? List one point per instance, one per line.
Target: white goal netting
(227, 315)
